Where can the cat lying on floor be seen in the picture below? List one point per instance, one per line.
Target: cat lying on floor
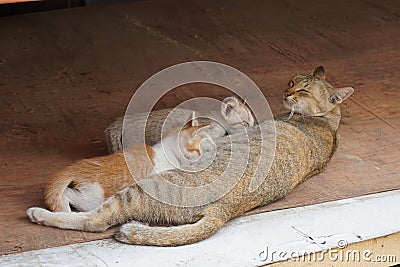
(304, 145)
(87, 183)
(230, 119)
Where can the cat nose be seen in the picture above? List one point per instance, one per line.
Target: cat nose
(287, 93)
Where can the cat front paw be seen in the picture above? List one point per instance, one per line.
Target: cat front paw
(37, 215)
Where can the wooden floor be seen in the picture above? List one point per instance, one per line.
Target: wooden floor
(65, 75)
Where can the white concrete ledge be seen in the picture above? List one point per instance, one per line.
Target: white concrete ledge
(248, 241)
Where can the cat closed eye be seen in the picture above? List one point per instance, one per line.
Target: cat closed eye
(291, 84)
(303, 91)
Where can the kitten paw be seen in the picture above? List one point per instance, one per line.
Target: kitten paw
(37, 215)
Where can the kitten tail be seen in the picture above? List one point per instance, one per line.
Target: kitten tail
(53, 194)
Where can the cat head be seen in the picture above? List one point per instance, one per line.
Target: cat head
(312, 95)
(191, 137)
(236, 114)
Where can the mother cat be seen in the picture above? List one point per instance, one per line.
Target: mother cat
(304, 145)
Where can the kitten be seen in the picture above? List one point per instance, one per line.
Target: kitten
(232, 117)
(88, 182)
(297, 149)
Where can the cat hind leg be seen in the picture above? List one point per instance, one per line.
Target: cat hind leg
(110, 213)
(65, 220)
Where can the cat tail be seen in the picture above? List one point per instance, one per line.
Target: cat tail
(53, 194)
(137, 233)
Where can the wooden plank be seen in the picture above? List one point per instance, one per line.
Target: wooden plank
(65, 75)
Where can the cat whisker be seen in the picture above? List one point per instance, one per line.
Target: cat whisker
(291, 113)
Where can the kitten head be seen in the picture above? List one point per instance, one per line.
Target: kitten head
(191, 137)
(312, 95)
(236, 114)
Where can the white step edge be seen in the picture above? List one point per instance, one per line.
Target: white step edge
(243, 241)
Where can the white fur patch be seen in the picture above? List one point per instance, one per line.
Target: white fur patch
(88, 197)
(164, 158)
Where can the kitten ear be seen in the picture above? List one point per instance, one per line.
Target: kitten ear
(340, 95)
(192, 120)
(231, 101)
(195, 134)
(319, 72)
(228, 104)
(202, 128)
(201, 131)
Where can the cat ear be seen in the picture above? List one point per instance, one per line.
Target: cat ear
(195, 121)
(229, 103)
(195, 134)
(319, 72)
(192, 120)
(340, 95)
(201, 130)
